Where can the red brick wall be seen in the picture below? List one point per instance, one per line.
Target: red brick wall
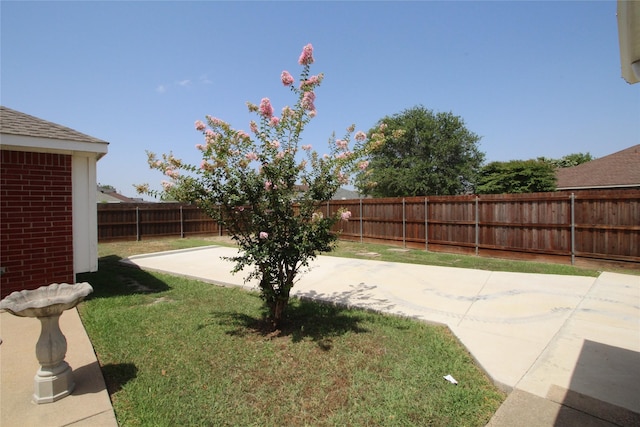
(36, 240)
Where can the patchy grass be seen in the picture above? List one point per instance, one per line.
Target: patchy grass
(181, 352)
(126, 249)
(417, 256)
(379, 252)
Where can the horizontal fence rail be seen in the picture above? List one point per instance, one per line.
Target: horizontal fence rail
(603, 225)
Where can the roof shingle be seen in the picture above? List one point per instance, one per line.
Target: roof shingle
(16, 123)
(621, 169)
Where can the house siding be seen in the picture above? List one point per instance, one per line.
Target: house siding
(36, 223)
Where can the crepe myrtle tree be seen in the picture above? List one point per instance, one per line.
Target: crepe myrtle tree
(266, 188)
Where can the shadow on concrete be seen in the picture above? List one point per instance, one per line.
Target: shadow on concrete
(88, 379)
(360, 295)
(602, 374)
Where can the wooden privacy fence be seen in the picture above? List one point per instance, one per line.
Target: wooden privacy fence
(127, 221)
(602, 225)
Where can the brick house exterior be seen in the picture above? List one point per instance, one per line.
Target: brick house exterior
(47, 212)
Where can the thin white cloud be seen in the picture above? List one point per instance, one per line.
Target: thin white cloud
(186, 83)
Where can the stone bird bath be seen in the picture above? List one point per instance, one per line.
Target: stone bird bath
(54, 379)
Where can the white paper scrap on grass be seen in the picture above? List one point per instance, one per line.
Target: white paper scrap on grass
(450, 379)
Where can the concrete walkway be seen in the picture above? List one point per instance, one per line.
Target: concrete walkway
(566, 348)
(87, 406)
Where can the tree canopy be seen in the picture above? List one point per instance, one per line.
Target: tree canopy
(569, 160)
(249, 182)
(516, 176)
(426, 153)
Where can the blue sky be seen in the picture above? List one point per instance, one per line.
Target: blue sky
(531, 78)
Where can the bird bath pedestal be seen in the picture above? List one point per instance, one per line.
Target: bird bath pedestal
(54, 379)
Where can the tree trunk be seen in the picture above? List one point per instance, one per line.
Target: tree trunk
(277, 309)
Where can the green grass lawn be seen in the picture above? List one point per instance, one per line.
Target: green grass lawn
(181, 352)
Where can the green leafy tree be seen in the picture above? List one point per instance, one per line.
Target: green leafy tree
(569, 160)
(251, 184)
(428, 153)
(516, 176)
(107, 187)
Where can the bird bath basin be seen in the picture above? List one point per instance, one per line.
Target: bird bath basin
(54, 380)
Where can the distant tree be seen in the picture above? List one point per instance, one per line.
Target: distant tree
(516, 176)
(428, 153)
(569, 160)
(107, 187)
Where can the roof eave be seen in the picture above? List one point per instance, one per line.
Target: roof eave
(629, 38)
(30, 143)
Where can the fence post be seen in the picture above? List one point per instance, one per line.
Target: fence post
(573, 229)
(404, 224)
(477, 226)
(137, 224)
(361, 232)
(181, 223)
(328, 208)
(426, 224)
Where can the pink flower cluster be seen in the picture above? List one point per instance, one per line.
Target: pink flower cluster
(215, 121)
(266, 110)
(345, 215)
(307, 101)
(200, 126)
(274, 121)
(286, 112)
(287, 78)
(363, 165)
(264, 235)
(360, 136)
(172, 173)
(306, 57)
(310, 82)
(342, 144)
(211, 136)
(251, 156)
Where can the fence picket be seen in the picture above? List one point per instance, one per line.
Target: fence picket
(588, 224)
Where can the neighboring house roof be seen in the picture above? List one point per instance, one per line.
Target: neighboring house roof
(617, 170)
(22, 130)
(107, 198)
(341, 193)
(344, 194)
(107, 195)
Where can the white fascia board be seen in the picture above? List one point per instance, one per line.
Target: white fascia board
(47, 145)
(629, 39)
